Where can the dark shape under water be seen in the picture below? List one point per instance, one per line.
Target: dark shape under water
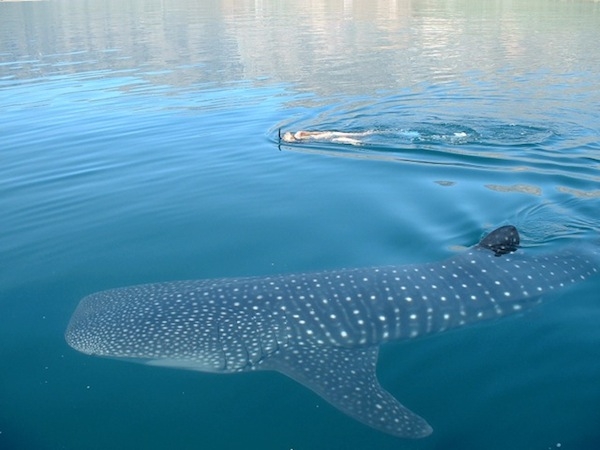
(322, 329)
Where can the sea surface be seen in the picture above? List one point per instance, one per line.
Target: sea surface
(139, 142)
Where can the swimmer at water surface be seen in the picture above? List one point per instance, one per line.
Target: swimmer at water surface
(339, 137)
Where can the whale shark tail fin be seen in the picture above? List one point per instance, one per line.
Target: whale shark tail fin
(501, 241)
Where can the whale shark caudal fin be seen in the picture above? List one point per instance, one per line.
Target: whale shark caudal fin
(346, 378)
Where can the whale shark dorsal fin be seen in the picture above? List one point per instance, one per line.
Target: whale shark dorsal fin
(346, 378)
(501, 241)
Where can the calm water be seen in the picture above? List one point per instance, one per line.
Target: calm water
(139, 144)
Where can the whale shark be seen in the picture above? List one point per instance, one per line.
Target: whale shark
(324, 329)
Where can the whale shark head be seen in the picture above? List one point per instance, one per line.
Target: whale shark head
(177, 324)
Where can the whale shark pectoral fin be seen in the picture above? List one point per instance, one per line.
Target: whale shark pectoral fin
(346, 378)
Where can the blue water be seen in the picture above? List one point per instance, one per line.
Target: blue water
(139, 143)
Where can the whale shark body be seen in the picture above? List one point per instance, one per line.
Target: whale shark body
(323, 329)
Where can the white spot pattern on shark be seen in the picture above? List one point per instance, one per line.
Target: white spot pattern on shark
(323, 329)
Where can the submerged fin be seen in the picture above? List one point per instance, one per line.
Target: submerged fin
(346, 378)
(501, 241)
